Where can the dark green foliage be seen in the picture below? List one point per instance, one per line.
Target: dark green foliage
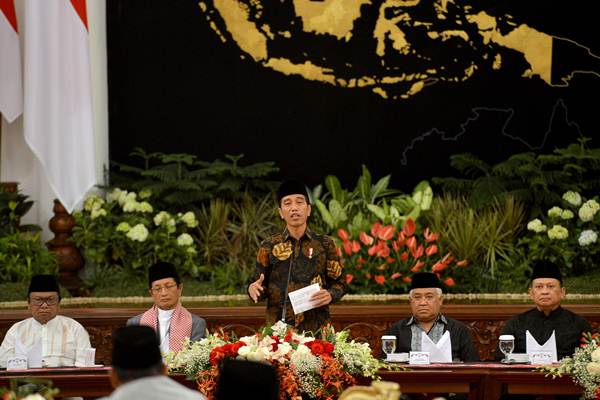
(13, 205)
(178, 180)
(22, 255)
(536, 180)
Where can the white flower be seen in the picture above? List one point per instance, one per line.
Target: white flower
(567, 214)
(130, 206)
(280, 328)
(282, 350)
(35, 396)
(93, 203)
(593, 368)
(123, 227)
(126, 196)
(114, 195)
(558, 232)
(572, 198)
(144, 194)
(189, 219)
(555, 212)
(138, 233)
(588, 210)
(596, 355)
(98, 213)
(184, 240)
(587, 237)
(161, 217)
(536, 226)
(144, 207)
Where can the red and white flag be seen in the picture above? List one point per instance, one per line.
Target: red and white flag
(11, 87)
(57, 115)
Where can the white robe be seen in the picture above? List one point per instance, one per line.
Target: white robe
(154, 388)
(64, 341)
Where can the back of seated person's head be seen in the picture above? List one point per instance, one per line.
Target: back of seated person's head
(136, 353)
(241, 379)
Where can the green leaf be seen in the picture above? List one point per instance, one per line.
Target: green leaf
(337, 212)
(335, 188)
(325, 214)
(379, 187)
(363, 186)
(378, 211)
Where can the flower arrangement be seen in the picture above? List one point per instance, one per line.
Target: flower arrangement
(319, 366)
(125, 229)
(568, 235)
(385, 259)
(583, 366)
(28, 389)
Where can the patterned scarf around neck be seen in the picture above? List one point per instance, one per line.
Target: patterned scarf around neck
(179, 329)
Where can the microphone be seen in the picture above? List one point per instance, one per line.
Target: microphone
(287, 285)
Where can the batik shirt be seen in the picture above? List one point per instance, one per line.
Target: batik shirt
(314, 259)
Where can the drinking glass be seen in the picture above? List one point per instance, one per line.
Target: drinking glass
(388, 344)
(507, 345)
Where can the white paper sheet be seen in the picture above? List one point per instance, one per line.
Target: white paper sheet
(532, 346)
(440, 352)
(300, 299)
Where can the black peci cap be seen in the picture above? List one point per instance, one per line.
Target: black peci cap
(162, 270)
(546, 269)
(43, 283)
(291, 187)
(422, 280)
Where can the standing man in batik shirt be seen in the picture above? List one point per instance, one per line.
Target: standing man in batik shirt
(169, 319)
(296, 258)
(63, 342)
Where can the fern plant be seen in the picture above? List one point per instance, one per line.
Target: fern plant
(181, 180)
(530, 178)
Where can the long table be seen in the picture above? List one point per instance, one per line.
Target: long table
(480, 381)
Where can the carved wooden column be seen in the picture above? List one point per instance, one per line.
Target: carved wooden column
(69, 258)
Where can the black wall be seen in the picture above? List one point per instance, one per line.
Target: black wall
(174, 87)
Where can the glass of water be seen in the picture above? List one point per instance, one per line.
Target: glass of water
(507, 345)
(388, 344)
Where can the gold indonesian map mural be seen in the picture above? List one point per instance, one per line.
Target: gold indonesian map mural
(395, 48)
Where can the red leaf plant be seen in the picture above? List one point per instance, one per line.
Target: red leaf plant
(384, 259)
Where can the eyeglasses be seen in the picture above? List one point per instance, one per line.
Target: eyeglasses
(158, 289)
(50, 301)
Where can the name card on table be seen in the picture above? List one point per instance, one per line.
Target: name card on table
(541, 357)
(13, 363)
(419, 358)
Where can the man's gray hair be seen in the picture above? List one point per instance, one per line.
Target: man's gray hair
(437, 289)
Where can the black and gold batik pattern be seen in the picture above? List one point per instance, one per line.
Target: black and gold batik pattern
(315, 260)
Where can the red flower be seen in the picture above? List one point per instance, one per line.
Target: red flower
(386, 232)
(462, 263)
(449, 282)
(409, 227)
(349, 278)
(417, 252)
(431, 250)
(343, 235)
(379, 279)
(361, 260)
(430, 236)
(375, 228)
(404, 256)
(347, 247)
(407, 279)
(417, 267)
(439, 267)
(383, 250)
(338, 251)
(390, 260)
(357, 267)
(365, 239)
(411, 242)
(355, 246)
(396, 275)
(318, 347)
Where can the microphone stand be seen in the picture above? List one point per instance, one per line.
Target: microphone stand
(287, 285)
